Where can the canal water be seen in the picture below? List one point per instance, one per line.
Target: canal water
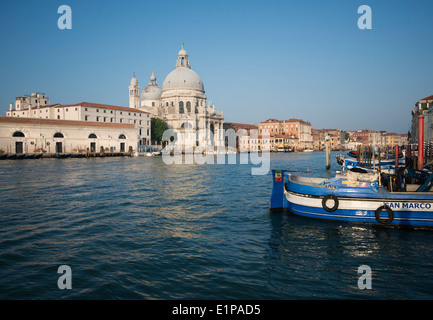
(137, 228)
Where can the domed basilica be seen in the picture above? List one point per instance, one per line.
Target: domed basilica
(181, 103)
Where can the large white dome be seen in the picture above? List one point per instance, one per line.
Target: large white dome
(183, 78)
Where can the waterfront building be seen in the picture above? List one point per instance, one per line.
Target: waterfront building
(37, 106)
(368, 137)
(422, 107)
(321, 136)
(241, 133)
(293, 134)
(394, 139)
(40, 135)
(182, 104)
(255, 142)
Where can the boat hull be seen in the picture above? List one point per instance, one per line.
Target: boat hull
(413, 213)
(353, 198)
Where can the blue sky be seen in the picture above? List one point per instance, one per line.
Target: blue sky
(258, 59)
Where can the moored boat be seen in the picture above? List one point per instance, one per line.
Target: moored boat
(405, 199)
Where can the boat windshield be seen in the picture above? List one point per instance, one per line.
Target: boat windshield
(408, 180)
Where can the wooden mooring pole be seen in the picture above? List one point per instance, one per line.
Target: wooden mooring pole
(328, 154)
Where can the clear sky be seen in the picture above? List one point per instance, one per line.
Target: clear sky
(257, 59)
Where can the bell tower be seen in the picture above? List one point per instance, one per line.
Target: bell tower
(134, 93)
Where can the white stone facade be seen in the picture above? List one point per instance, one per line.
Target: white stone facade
(89, 112)
(182, 103)
(26, 135)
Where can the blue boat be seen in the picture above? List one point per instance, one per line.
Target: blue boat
(404, 199)
(350, 163)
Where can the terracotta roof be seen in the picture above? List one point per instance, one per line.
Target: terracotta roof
(284, 121)
(86, 104)
(427, 98)
(241, 125)
(102, 106)
(38, 107)
(64, 122)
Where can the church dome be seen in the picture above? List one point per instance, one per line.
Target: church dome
(181, 78)
(152, 91)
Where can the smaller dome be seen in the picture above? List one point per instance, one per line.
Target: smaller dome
(152, 91)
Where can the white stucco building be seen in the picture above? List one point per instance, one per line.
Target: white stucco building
(37, 106)
(182, 103)
(19, 135)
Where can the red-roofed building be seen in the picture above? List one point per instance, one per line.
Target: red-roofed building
(293, 134)
(37, 106)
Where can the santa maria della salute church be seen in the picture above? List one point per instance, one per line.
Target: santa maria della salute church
(181, 103)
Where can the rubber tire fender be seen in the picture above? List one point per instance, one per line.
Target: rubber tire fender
(326, 198)
(390, 214)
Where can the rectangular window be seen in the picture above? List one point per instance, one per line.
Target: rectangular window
(97, 118)
(85, 118)
(85, 109)
(121, 120)
(97, 110)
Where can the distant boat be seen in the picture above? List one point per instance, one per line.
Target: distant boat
(308, 150)
(353, 162)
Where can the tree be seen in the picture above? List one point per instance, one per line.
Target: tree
(157, 128)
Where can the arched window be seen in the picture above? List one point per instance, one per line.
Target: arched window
(92, 136)
(181, 107)
(122, 136)
(186, 125)
(58, 135)
(18, 134)
(58, 117)
(188, 107)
